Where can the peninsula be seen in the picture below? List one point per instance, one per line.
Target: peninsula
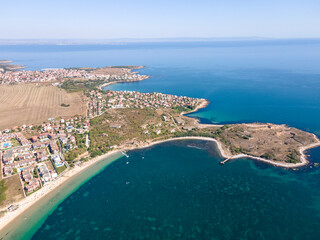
(38, 157)
(6, 65)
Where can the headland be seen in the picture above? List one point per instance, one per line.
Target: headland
(42, 157)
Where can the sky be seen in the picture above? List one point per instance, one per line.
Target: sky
(106, 19)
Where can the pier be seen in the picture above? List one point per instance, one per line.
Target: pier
(226, 160)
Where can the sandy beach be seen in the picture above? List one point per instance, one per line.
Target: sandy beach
(114, 82)
(51, 186)
(32, 199)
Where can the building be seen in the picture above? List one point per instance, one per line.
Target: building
(57, 160)
(27, 174)
(8, 157)
(32, 185)
(54, 147)
(44, 173)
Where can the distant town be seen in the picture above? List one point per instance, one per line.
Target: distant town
(63, 74)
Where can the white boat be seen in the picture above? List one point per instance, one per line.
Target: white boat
(125, 154)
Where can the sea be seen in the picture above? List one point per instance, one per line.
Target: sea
(178, 190)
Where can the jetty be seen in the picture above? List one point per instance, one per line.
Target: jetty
(224, 161)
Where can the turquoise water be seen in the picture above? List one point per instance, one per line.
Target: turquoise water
(267, 81)
(176, 191)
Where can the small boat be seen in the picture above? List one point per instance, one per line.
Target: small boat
(125, 154)
(127, 162)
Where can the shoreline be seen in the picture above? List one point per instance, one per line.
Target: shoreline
(302, 149)
(29, 201)
(114, 82)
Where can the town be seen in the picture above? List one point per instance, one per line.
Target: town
(37, 153)
(40, 154)
(60, 75)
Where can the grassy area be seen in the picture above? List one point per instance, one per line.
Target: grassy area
(15, 142)
(3, 189)
(74, 153)
(103, 137)
(11, 190)
(60, 169)
(180, 109)
(293, 157)
(78, 86)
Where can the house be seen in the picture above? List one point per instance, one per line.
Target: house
(7, 170)
(42, 155)
(157, 132)
(8, 157)
(57, 160)
(52, 136)
(34, 139)
(172, 130)
(26, 173)
(43, 136)
(54, 147)
(25, 156)
(21, 149)
(32, 185)
(44, 173)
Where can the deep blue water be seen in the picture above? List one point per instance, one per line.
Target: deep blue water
(248, 81)
(180, 192)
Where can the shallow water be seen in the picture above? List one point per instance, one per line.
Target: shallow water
(178, 190)
(172, 191)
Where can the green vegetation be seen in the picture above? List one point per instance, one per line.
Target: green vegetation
(3, 189)
(293, 157)
(74, 153)
(65, 105)
(103, 137)
(35, 173)
(180, 109)
(59, 170)
(268, 156)
(78, 86)
(236, 150)
(15, 142)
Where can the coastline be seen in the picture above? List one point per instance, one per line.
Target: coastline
(302, 149)
(29, 201)
(114, 82)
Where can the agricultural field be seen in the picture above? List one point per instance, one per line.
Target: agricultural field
(35, 103)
